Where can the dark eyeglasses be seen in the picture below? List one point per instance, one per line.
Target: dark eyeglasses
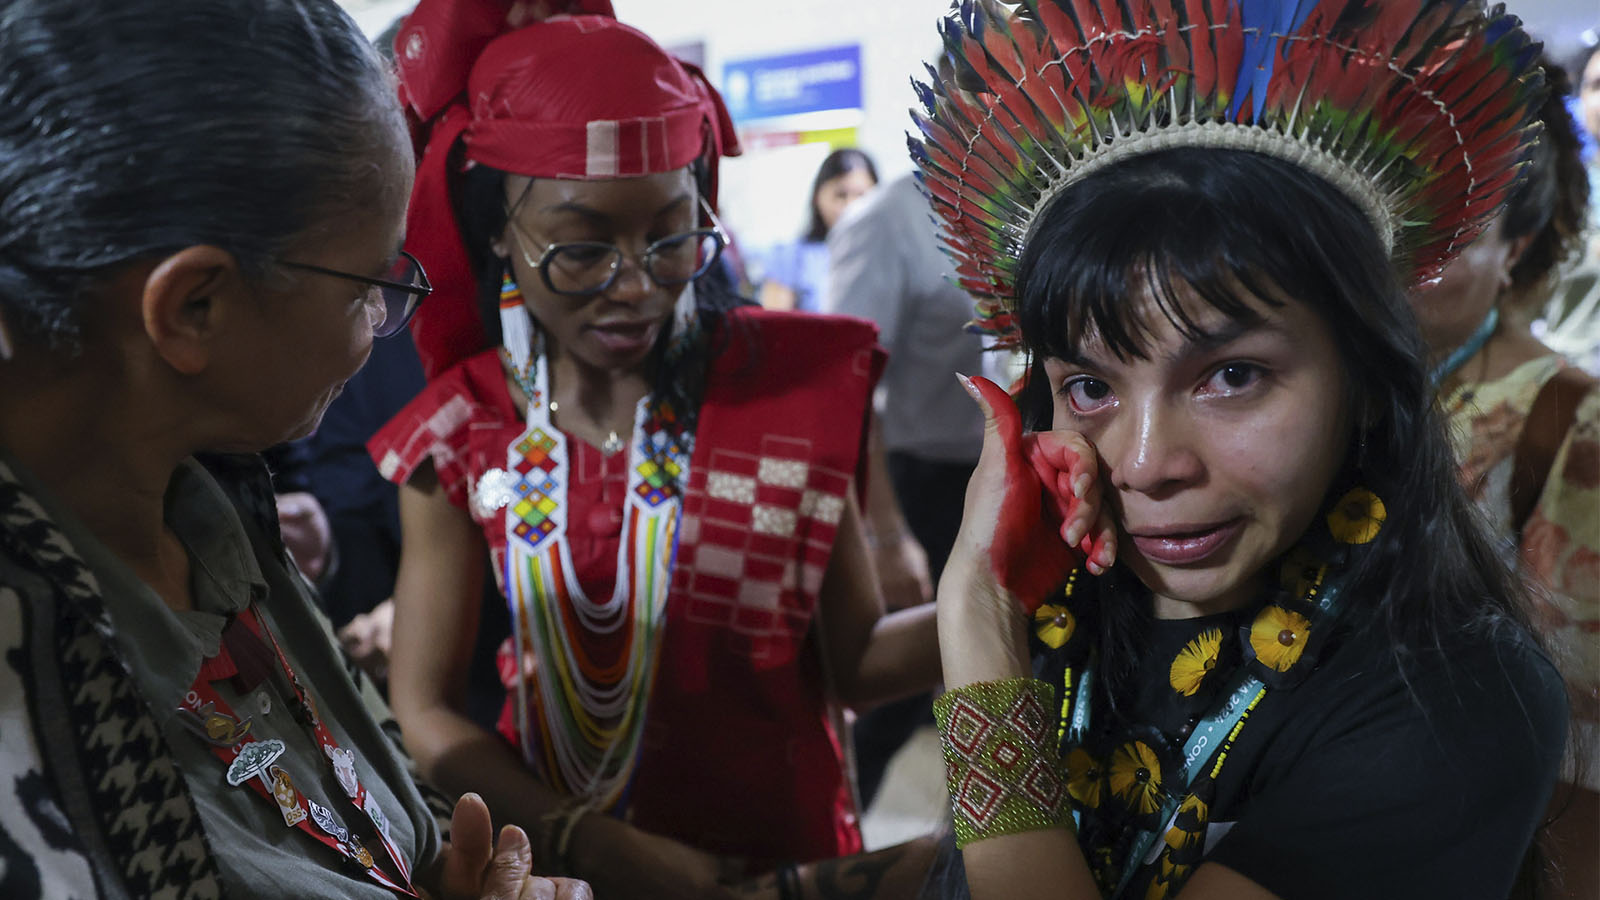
(585, 268)
(391, 299)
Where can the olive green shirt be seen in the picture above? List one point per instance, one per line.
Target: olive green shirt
(231, 566)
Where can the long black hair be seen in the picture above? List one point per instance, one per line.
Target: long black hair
(112, 151)
(1217, 221)
(837, 163)
(480, 208)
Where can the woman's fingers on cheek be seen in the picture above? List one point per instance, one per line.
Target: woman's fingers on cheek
(1071, 454)
(1050, 467)
(1038, 461)
(1066, 498)
(1079, 523)
(1100, 547)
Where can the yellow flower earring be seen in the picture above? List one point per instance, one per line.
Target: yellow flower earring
(1357, 517)
(1054, 624)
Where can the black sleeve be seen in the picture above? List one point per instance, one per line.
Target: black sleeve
(1429, 784)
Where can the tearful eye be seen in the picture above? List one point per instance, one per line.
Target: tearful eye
(1087, 394)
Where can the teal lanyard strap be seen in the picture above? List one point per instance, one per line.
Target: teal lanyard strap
(1207, 738)
(1459, 356)
(1203, 744)
(1079, 725)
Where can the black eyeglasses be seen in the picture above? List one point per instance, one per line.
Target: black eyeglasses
(585, 268)
(391, 299)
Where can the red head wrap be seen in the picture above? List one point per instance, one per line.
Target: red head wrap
(577, 95)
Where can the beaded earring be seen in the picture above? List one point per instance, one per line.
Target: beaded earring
(516, 325)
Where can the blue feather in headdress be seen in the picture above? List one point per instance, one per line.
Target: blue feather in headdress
(1266, 22)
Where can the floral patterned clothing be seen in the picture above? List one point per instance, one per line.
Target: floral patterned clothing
(1559, 544)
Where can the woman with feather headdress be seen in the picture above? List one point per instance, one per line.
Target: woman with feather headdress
(1223, 624)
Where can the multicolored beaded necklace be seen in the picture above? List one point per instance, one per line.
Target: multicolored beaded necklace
(581, 723)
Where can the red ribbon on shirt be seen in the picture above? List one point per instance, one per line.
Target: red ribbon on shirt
(252, 761)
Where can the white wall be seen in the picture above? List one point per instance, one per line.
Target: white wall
(895, 37)
(765, 193)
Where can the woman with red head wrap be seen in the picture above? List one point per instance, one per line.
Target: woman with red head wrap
(661, 474)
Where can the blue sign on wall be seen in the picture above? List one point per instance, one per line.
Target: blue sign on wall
(817, 80)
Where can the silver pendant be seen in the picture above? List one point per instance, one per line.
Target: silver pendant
(612, 444)
(326, 820)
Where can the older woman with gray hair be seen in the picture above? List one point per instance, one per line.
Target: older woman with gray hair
(201, 206)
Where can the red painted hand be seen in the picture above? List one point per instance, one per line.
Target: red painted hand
(1034, 502)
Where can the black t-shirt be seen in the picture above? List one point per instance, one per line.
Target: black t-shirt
(1366, 779)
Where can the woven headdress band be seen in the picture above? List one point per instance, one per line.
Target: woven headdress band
(1419, 111)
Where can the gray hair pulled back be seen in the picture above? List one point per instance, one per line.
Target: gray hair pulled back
(131, 128)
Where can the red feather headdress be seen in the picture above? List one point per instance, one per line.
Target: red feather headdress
(1419, 110)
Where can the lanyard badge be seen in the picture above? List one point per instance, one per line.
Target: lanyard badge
(253, 763)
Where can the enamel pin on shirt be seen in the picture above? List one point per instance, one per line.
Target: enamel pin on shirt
(253, 762)
(288, 798)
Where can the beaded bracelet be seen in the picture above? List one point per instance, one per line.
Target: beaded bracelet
(1004, 770)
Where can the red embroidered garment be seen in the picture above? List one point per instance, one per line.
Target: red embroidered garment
(738, 754)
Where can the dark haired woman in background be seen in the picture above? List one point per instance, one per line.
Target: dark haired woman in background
(797, 273)
(1226, 626)
(1526, 431)
(194, 258)
(663, 477)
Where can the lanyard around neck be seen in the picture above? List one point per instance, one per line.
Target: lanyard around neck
(1459, 356)
(1209, 736)
(252, 762)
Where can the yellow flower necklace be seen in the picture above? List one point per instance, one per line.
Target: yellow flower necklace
(1278, 647)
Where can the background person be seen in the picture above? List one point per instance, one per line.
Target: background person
(797, 272)
(887, 269)
(1525, 424)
